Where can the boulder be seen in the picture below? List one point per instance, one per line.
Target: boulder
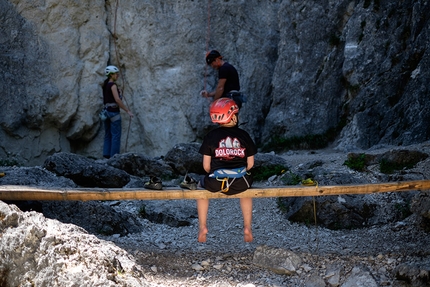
(47, 252)
(185, 157)
(141, 166)
(86, 172)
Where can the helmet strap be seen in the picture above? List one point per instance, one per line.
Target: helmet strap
(232, 122)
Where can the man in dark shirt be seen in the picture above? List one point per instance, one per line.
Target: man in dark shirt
(228, 79)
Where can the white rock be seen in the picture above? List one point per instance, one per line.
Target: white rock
(197, 267)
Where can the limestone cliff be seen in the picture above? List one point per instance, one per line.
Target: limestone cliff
(361, 67)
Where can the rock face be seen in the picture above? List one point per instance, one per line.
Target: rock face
(50, 253)
(358, 67)
(386, 250)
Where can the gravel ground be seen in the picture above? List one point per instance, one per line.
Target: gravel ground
(171, 256)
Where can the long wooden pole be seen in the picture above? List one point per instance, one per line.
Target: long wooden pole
(16, 192)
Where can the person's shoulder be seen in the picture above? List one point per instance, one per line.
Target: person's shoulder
(239, 128)
(242, 131)
(229, 67)
(213, 131)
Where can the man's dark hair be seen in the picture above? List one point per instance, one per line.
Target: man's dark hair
(212, 56)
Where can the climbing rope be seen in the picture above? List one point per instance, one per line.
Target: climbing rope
(115, 38)
(208, 32)
(311, 182)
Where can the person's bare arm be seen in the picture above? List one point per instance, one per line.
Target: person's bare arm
(118, 101)
(249, 162)
(207, 163)
(219, 89)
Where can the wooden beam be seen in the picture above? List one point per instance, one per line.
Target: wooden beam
(17, 192)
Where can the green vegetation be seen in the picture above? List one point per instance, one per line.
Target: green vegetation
(403, 209)
(8, 162)
(311, 141)
(284, 208)
(142, 211)
(278, 143)
(290, 178)
(356, 163)
(264, 172)
(388, 167)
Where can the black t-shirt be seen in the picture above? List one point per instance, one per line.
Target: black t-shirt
(228, 147)
(228, 72)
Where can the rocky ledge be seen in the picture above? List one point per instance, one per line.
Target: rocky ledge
(154, 243)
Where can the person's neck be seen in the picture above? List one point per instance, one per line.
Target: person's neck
(231, 124)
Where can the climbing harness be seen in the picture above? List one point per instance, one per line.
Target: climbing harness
(225, 174)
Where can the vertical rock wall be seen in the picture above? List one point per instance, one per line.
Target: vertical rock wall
(363, 63)
(306, 67)
(52, 57)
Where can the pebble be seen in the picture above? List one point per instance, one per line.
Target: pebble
(197, 267)
(227, 260)
(218, 266)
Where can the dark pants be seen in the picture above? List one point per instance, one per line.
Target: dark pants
(237, 97)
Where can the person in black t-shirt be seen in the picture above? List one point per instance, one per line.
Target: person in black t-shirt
(226, 147)
(228, 79)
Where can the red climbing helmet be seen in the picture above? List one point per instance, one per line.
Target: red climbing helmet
(222, 110)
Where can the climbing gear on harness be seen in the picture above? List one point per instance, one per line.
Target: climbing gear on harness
(103, 115)
(236, 95)
(111, 70)
(111, 105)
(222, 110)
(225, 174)
(115, 118)
(188, 183)
(230, 173)
(154, 183)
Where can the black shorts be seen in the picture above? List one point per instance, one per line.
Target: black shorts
(238, 185)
